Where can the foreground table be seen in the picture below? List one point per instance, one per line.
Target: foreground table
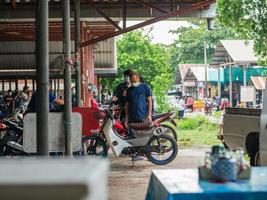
(56, 179)
(184, 184)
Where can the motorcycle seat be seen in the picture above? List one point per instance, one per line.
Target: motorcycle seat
(156, 116)
(141, 126)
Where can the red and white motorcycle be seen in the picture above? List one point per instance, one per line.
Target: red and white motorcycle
(150, 142)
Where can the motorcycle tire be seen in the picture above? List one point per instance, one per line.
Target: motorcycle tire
(5, 150)
(94, 146)
(172, 132)
(157, 140)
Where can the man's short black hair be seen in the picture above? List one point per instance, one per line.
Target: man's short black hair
(127, 72)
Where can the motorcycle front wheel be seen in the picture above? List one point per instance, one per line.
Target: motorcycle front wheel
(169, 130)
(163, 149)
(94, 146)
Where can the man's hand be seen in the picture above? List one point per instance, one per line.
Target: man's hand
(114, 98)
(126, 123)
(149, 118)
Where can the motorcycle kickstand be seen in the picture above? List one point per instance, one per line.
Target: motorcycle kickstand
(132, 160)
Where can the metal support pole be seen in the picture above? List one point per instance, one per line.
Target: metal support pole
(33, 85)
(3, 85)
(245, 75)
(42, 74)
(58, 87)
(77, 53)
(245, 80)
(9, 82)
(124, 16)
(55, 87)
(231, 85)
(25, 82)
(67, 77)
(17, 84)
(219, 83)
(206, 71)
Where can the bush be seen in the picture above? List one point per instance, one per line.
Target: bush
(193, 123)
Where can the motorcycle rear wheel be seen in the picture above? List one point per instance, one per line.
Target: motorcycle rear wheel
(162, 145)
(5, 150)
(94, 146)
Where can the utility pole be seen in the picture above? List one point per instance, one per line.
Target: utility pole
(206, 70)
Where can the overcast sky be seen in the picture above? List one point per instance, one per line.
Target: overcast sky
(161, 30)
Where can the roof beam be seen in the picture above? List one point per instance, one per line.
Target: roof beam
(104, 15)
(188, 9)
(151, 6)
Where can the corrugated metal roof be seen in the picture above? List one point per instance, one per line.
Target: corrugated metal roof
(235, 51)
(21, 54)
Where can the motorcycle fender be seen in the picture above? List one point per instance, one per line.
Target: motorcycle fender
(115, 142)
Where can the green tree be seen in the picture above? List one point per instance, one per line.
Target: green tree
(247, 18)
(136, 51)
(189, 45)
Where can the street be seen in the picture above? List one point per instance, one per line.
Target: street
(126, 182)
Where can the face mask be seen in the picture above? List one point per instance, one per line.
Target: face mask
(136, 84)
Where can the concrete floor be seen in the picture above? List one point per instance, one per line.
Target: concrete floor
(130, 183)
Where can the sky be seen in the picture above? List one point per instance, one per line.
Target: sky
(161, 30)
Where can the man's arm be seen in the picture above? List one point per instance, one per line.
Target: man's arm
(59, 102)
(149, 114)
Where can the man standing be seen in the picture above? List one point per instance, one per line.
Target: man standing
(119, 96)
(138, 107)
(181, 105)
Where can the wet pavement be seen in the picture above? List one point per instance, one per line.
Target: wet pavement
(126, 182)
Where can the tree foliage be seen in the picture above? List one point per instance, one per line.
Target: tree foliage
(247, 18)
(136, 52)
(189, 45)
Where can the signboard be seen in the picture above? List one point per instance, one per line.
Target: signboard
(189, 83)
(248, 94)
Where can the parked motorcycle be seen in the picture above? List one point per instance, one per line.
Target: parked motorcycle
(208, 106)
(150, 142)
(11, 141)
(157, 119)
